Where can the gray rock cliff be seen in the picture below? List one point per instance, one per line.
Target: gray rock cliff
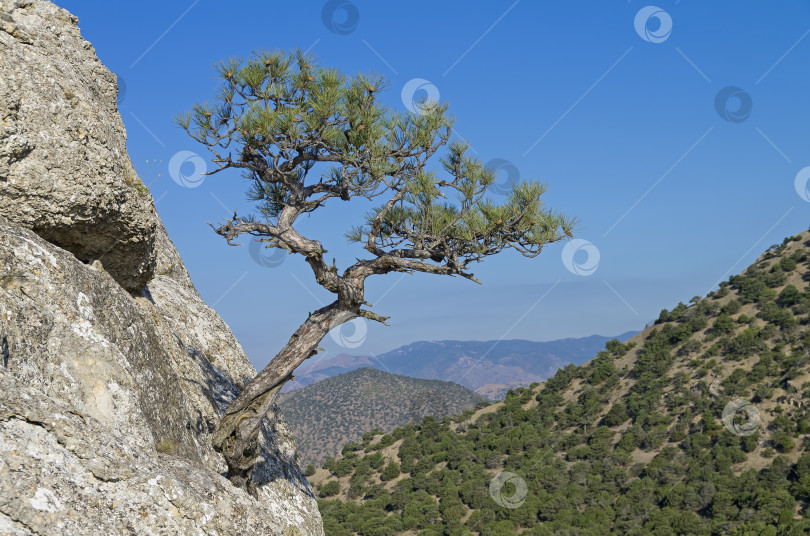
(63, 160)
(113, 370)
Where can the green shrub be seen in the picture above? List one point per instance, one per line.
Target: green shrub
(391, 471)
(330, 489)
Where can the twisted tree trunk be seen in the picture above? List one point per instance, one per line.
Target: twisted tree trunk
(237, 435)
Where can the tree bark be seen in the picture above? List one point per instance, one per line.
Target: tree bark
(237, 435)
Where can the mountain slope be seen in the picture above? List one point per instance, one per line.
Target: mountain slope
(488, 367)
(698, 425)
(335, 411)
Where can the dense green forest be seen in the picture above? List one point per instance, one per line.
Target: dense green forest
(697, 425)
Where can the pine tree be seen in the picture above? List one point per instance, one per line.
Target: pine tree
(281, 119)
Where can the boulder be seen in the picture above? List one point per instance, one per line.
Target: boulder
(64, 168)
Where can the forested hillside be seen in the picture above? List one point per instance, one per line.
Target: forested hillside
(698, 425)
(326, 415)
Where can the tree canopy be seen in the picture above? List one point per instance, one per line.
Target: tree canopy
(303, 134)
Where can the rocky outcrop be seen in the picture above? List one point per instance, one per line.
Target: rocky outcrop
(113, 376)
(108, 399)
(64, 168)
(66, 474)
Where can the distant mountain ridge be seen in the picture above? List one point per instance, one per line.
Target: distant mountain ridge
(338, 410)
(487, 367)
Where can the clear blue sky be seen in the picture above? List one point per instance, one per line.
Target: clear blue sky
(620, 119)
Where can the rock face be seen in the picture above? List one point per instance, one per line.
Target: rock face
(64, 169)
(110, 393)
